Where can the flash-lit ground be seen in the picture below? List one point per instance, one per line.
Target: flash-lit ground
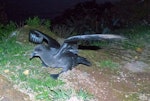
(128, 80)
(112, 86)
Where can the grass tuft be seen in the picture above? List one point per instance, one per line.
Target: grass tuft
(108, 64)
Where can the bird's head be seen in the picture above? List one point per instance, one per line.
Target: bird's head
(38, 51)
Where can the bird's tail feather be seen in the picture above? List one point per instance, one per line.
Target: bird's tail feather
(82, 60)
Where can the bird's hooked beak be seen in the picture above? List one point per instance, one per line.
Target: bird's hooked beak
(32, 55)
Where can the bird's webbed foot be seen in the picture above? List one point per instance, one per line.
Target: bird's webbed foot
(54, 76)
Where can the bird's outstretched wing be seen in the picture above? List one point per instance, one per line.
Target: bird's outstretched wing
(90, 37)
(69, 42)
(38, 37)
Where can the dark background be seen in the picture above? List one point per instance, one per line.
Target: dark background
(18, 10)
(77, 16)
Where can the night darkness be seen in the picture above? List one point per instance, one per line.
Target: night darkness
(19, 10)
(49, 9)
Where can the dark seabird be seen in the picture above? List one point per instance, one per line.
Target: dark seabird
(64, 56)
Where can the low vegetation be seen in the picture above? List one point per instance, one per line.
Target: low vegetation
(5, 30)
(37, 22)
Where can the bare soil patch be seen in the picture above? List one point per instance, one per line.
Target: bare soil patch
(107, 85)
(8, 93)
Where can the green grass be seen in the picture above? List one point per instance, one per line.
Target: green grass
(15, 59)
(132, 97)
(84, 95)
(63, 95)
(108, 64)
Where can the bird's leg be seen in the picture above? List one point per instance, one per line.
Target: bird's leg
(55, 76)
(43, 64)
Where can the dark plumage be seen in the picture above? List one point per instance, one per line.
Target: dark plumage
(63, 56)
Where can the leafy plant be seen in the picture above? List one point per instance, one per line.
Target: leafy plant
(35, 21)
(67, 94)
(47, 23)
(5, 30)
(61, 94)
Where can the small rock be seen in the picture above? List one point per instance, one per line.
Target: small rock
(136, 66)
(6, 71)
(26, 72)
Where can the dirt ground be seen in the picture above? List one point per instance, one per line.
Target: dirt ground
(8, 93)
(131, 80)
